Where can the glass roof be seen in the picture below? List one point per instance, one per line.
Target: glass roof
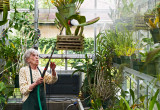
(90, 9)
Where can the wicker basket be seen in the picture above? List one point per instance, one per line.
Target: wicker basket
(1, 5)
(140, 23)
(149, 16)
(4, 2)
(68, 42)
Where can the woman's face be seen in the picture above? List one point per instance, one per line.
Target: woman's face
(33, 59)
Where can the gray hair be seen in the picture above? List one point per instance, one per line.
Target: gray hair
(28, 53)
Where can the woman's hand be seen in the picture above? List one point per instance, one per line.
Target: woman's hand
(33, 85)
(53, 66)
(39, 81)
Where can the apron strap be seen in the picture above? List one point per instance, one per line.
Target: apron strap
(31, 73)
(39, 71)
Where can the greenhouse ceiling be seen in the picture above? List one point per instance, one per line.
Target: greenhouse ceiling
(89, 8)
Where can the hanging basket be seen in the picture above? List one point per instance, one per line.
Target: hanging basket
(149, 16)
(1, 5)
(155, 35)
(67, 10)
(6, 2)
(69, 42)
(140, 23)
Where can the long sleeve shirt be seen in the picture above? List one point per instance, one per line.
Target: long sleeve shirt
(25, 80)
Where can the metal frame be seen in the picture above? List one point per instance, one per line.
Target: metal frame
(148, 82)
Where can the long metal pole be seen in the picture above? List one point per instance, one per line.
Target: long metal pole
(95, 29)
(37, 32)
(36, 14)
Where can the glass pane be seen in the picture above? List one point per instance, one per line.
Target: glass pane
(59, 63)
(105, 4)
(88, 4)
(25, 4)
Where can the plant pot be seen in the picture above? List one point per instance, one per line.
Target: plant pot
(157, 65)
(67, 10)
(136, 65)
(155, 35)
(119, 60)
(139, 66)
(125, 59)
(114, 59)
(151, 68)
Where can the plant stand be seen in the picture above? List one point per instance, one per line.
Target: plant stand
(69, 42)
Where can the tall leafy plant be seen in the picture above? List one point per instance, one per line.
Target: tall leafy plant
(125, 104)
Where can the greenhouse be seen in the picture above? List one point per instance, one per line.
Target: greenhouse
(79, 54)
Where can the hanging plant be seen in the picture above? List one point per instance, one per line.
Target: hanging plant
(5, 15)
(6, 3)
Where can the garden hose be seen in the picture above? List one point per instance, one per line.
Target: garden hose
(38, 95)
(44, 71)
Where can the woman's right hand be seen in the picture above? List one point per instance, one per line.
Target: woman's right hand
(39, 81)
(32, 86)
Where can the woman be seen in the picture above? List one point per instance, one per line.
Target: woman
(30, 78)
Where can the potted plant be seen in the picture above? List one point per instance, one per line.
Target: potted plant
(154, 24)
(68, 10)
(86, 67)
(102, 81)
(125, 46)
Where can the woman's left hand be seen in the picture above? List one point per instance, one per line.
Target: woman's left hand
(52, 66)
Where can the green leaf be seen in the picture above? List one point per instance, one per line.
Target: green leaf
(128, 107)
(64, 23)
(80, 19)
(132, 94)
(142, 98)
(158, 105)
(2, 86)
(31, 34)
(90, 22)
(16, 26)
(153, 100)
(80, 70)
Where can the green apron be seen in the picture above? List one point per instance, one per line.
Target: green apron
(31, 102)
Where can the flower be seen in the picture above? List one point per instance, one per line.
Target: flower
(92, 101)
(52, 1)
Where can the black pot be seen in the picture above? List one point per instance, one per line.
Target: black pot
(125, 59)
(155, 35)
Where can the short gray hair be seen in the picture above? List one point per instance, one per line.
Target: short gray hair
(28, 53)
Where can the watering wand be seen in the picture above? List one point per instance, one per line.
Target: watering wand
(44, 71)
(46, 67)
